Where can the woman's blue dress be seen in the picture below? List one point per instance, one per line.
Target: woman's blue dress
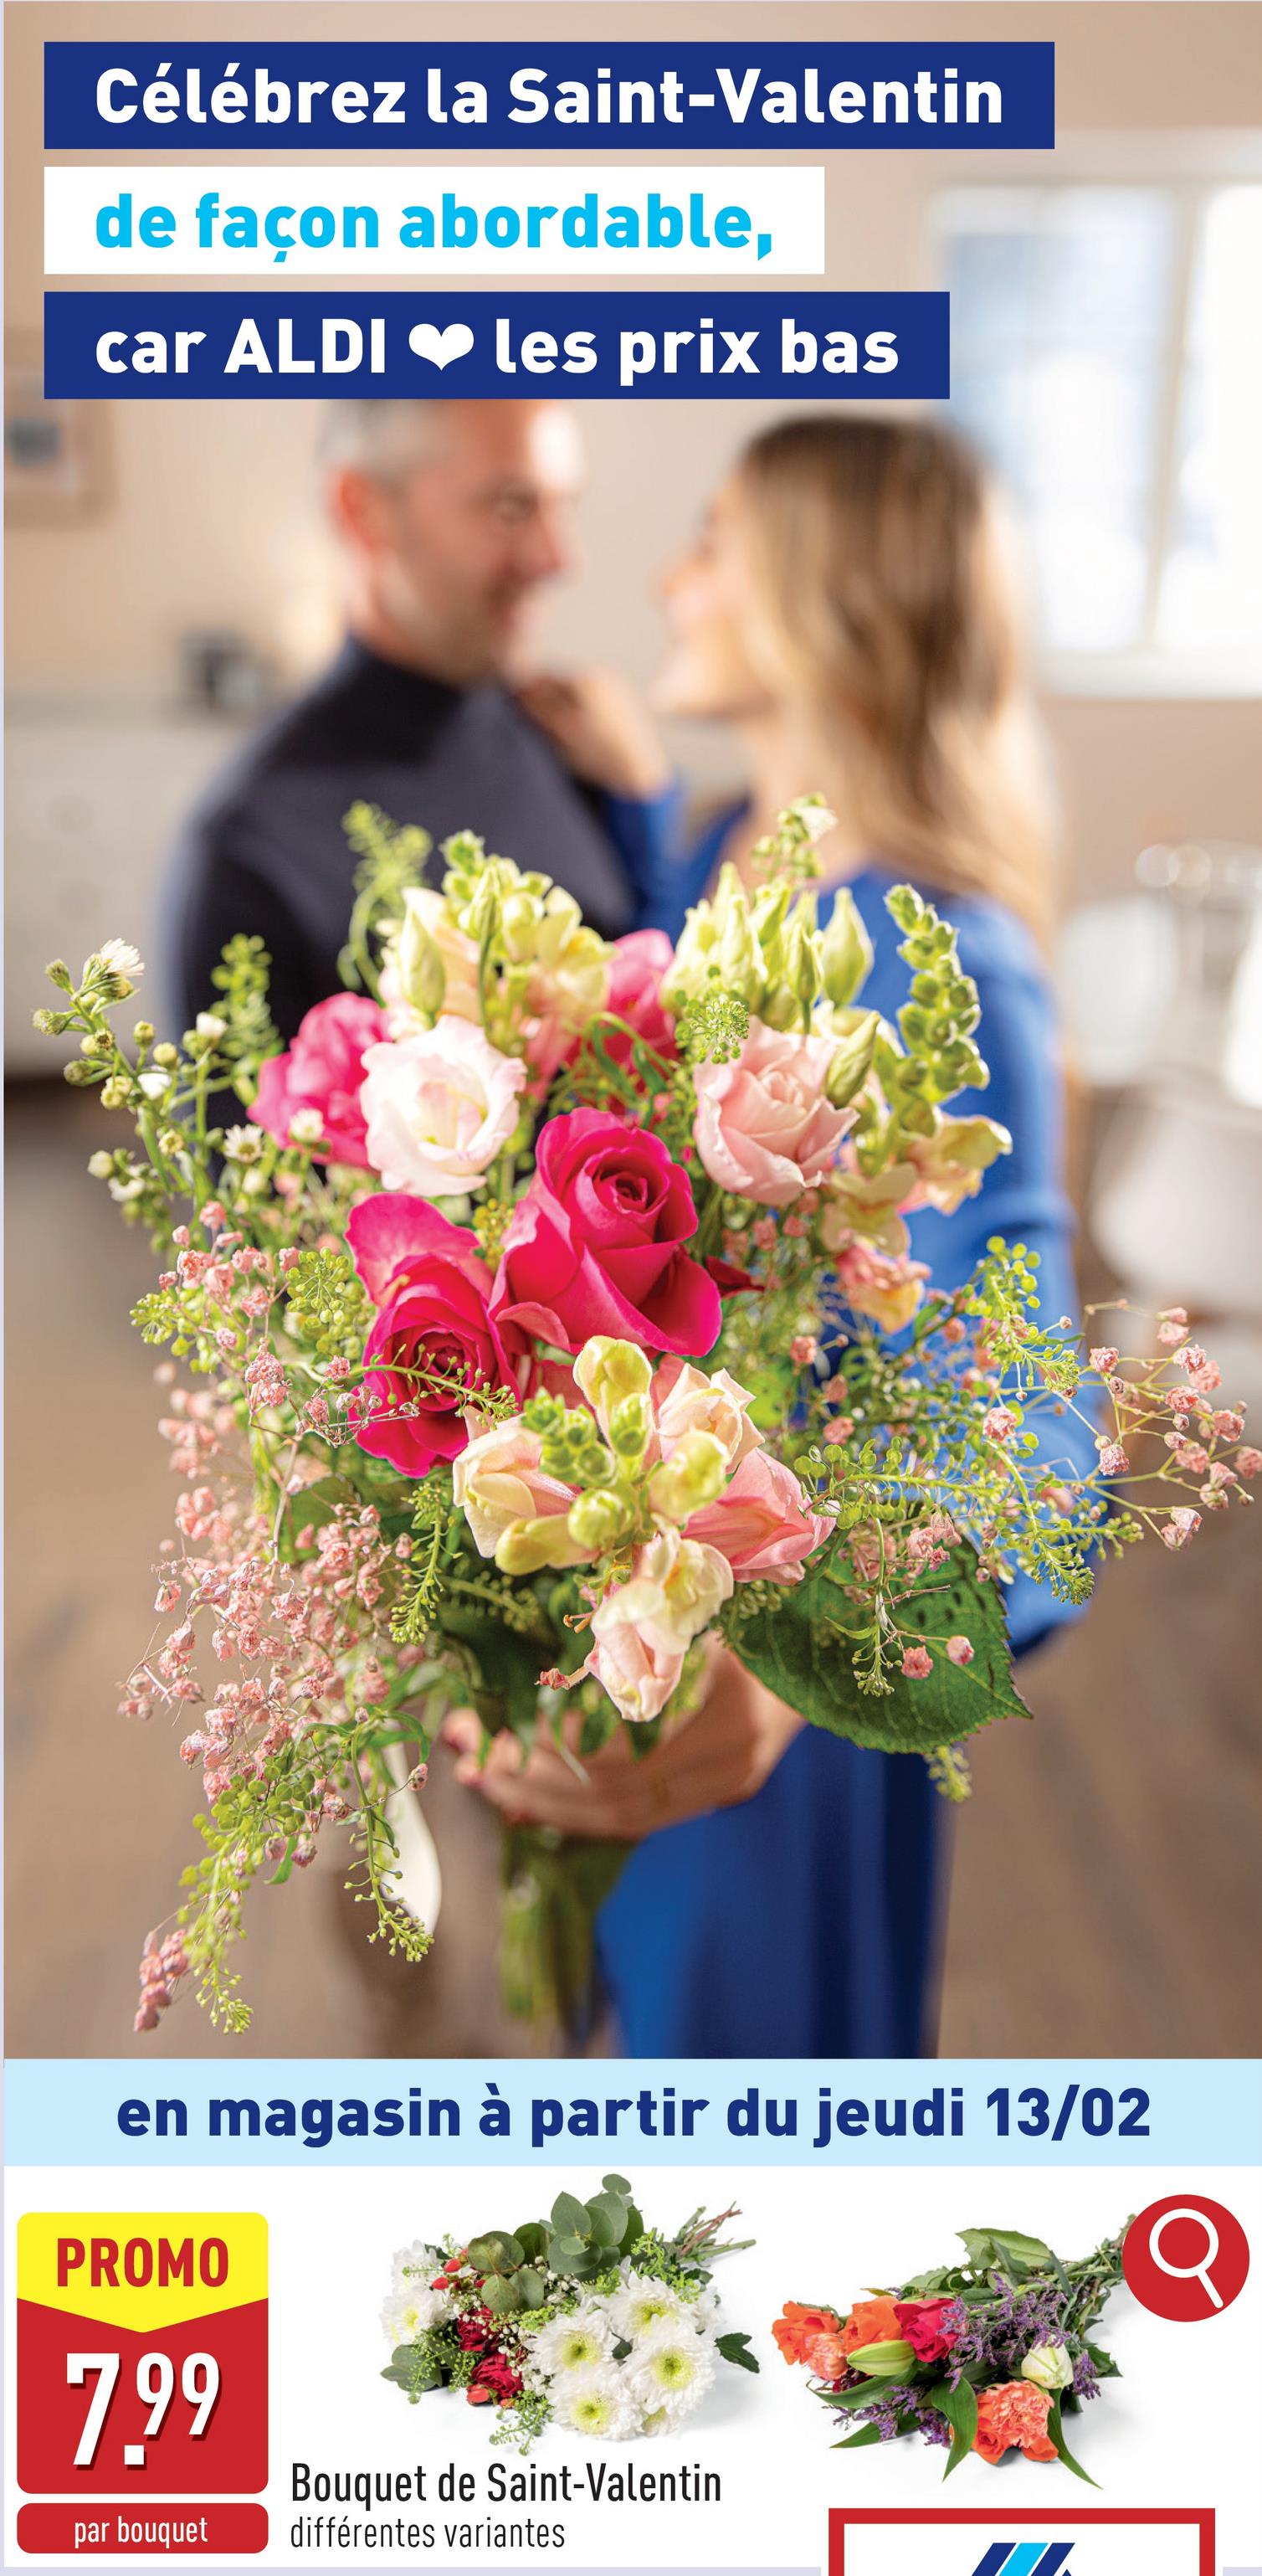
(807, 1921)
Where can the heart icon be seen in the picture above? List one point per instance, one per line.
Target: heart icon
(440, 347)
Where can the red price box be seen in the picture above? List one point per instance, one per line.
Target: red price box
(142, 2352)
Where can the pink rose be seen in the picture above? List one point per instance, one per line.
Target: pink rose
(922, 2325)
(321, 1077)
(636, 967)
(597, 1243)
(642, 1629)
(430, 1287)
(762, 1522)
(764, 1128)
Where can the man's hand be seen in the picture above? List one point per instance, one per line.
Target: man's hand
(601, 730)
(718, 1758)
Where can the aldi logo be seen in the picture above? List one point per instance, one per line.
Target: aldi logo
(1084, 2540)
(1023, 2558)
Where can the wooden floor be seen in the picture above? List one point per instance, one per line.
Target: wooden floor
(1106, 1884)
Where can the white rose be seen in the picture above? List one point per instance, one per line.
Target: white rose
(439, 1107)
(1049, 2366)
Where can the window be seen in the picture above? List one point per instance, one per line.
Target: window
(1107, 356)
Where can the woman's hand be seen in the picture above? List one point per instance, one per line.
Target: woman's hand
(601, 730)
(718, 1758)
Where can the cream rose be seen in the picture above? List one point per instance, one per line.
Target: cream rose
(430, 967)
(685, 1399)
(498, 1481)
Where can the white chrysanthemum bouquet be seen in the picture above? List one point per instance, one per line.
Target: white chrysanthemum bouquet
(588, 2319)
(549, 1323)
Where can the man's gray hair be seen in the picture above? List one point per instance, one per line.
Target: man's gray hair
(386, 436)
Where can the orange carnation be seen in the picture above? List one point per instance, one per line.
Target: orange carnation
(801, 2326)
(1013, 2415)
(826, 2356)
(871, 2321)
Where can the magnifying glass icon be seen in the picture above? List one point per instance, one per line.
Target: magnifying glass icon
(1199, 2271)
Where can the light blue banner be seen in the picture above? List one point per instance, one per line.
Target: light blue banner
(382, 2111)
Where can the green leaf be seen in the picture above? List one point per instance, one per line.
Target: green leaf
(859, 2441)
(496, 2252)
(1025, 2249)
(568, 2255)
(617, 2183)
(1055, 2433)
(959, 2405)
(1105, 2365)
(798, 1650)
(735, 2347)
(530, 2287)
(569, 2216)
(501, 2296)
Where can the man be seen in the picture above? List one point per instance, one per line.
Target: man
(452, 516)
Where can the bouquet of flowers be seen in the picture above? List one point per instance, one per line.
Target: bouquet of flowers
(587, 2318)
(985, 2356)
(548, 1321)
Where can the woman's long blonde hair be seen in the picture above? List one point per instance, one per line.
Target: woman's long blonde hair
(892, 621)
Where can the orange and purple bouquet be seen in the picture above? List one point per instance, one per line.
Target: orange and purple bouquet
(541, 1323)
(986, 2356)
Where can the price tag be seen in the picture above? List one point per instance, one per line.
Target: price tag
(142, 2352)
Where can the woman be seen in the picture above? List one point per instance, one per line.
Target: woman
(847, 608)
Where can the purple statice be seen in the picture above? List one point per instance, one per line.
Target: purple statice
(1086, 2377)
(999, 2335)
(886, 2415)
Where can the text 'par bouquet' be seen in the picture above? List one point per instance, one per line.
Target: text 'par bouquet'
(588, 2319)
(987, 2355)
(546, 1329)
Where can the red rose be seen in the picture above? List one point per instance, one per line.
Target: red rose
(494, 2378)
(430, 1285)
(322, 1075)
(921, 2323)
(597, 1243)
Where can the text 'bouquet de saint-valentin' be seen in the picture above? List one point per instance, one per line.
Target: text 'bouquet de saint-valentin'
(553, 1334)
(588, 2318)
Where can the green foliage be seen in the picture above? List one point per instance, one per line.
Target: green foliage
(391, 858)
(554, 1887)
(329, 1310)
(579, 2241)
(804, 1649)
(959, 2405)
(936, 1026)
(713, 1028)
(241, 983)
(413, 2369)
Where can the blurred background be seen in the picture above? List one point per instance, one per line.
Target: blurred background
(169, 579)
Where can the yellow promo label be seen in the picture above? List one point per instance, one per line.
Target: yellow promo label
(142, 2269)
